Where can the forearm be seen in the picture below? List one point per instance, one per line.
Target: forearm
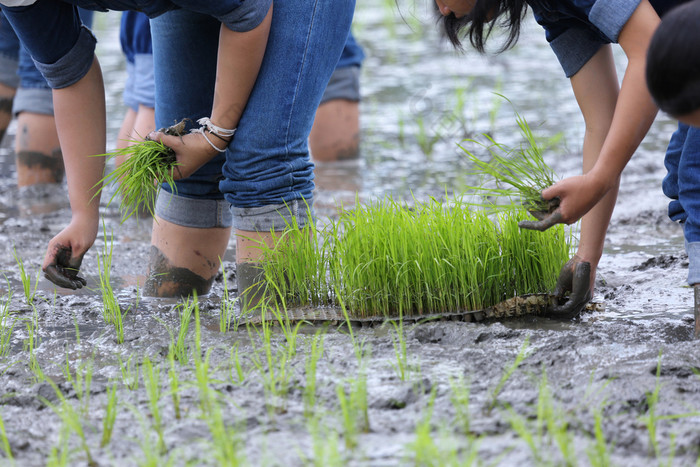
(239, 59)
(634, 113)
(81, 125)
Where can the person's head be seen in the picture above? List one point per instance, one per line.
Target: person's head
(479, 18)
(673, 63)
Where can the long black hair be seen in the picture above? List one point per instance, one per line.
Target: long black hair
(479, 22)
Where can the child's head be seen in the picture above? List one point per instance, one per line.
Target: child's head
(673, 63)
(479, 18)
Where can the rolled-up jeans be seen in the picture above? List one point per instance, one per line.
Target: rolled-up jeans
(17, 70)
(682, 185)
(266, 174)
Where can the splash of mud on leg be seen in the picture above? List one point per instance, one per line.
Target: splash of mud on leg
(166, 280)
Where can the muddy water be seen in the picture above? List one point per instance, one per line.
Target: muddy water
(606, 362)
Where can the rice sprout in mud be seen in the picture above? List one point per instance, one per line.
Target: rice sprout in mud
(386, 259)
(146, 164)
(518, 173)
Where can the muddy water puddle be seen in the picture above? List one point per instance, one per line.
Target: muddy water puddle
(458, 392)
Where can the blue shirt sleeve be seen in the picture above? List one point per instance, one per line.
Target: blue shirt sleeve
(576, 29)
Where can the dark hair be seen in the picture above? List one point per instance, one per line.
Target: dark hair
(673, 61)
(481, 20)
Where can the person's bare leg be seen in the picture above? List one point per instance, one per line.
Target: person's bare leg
(38, 157)
(183, 259)
(6, 95)
(335, 134)
(249, 256)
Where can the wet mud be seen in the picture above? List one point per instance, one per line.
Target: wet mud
(616, 386)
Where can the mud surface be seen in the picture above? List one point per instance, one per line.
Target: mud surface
(632, 366)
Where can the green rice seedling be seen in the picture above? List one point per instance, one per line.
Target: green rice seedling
(174, 379)
(71, 418)
(236, 366)
(353, 409)
(151, 455)
(460, 401)
(272, 365)
(519, 174)
(130, 372)
(426, 142)
(111, 311)
(110, 415)
(555, 422)
(179, 347)
(58, 457)
(151, 380)
(325, 445)
(312, 359)
(399, 341)
(5, 443)
(7, 324)
(508, 372)
(599, 452)
(81, 382)
(228, 321)
(146, 163)
(385, 259)
(29, 291)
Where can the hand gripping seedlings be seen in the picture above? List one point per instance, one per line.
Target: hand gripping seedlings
(146, 164)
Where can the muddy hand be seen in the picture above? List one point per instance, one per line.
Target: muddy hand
(545, 219)
(575, 277)
(63, 269)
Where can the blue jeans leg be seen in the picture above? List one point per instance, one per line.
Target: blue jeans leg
(267, 164)
(682, 185)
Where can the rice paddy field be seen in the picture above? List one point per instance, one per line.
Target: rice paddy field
(104, 376)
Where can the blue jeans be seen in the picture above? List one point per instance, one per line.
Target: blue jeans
(682, 185)
(63, 49)
(266, 171)
(17, 70)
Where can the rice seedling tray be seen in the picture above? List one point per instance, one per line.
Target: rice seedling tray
(525, 305)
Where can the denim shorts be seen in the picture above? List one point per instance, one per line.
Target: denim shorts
(135, 38)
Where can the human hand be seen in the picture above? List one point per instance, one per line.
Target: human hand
(65, 254)
(192, 150)
(576, 196)
(574, 279)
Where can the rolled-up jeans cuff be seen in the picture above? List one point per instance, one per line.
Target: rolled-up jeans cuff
(693, 250)
(273, 217)
(8, 71)
(34, 100)
(73, 66)
(344, 84)
(198, 213)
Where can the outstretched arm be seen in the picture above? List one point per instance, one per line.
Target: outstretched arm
(634, 113)
(81, 125)
(238, 63)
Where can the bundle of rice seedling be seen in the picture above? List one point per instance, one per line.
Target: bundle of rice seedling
(146, 164)
(518, 174)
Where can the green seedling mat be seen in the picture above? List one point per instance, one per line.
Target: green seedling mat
(531, 304)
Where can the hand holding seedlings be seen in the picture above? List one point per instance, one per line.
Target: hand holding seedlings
(191, 149)
(576, 196)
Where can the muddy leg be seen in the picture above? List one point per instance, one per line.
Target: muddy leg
(6, 95)
(38, 151)
(249, 273)
(183, 259)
